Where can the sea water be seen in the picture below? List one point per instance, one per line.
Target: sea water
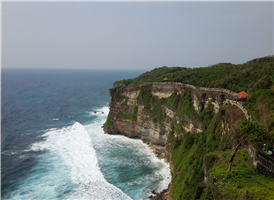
(53, 144)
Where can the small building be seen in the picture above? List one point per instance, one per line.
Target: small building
(166, 80)
(242, 96)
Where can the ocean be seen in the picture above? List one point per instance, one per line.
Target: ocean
(53, 145)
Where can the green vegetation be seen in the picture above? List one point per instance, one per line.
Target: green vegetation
(261, 105)
(188, 150)
(181, 103)
(157, 74)
(243, 178)
(152, 104)
(248, 76)
(191, 151)
(116, 95)
(135, 109)
(130, 117)
(257, 133)
(109, 123)
(207, 115)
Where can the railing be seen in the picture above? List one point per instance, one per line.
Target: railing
(165, 83)
(194, 87)
(246, 113)
(261, 162)
(242, 108)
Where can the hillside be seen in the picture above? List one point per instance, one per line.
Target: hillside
(256, 77)
(199, 129)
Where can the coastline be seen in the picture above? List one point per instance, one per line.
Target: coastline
(161, 154)
(164, 194)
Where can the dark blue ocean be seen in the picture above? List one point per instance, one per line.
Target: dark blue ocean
(53, 146)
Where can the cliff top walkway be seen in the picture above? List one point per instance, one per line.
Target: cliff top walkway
(220, 90)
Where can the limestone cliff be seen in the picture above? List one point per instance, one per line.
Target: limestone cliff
(124, 100)
(129, 117)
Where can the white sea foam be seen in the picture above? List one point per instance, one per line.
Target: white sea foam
(104, 109)
(21, 157)
(68, 166)
(55, 119)
(161, 174)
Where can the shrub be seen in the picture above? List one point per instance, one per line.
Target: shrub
(109, 123)
(189, 141)
(255, 131)
(172, 141)
(130, 117)
(209, 161)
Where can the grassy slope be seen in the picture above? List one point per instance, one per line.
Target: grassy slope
(243, 177)
(187, 156)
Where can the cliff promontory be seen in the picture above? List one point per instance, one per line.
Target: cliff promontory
(212, 142)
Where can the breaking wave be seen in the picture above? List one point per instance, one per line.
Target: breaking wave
(67, 168)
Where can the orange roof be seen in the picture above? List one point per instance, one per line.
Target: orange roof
(242, 94)
(166, 79)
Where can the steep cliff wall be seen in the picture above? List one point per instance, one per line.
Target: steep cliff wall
(135, 120)
(130, 116)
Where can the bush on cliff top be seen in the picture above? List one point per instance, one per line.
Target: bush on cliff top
(243, 178)
(257, 75)
(155, 74)
(257, 133)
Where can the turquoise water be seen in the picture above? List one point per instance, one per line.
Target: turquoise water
(53, 146)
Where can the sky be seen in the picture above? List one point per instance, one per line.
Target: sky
(134, 35)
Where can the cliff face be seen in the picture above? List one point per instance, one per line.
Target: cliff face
(177, 116)
(198, 128)
(128, 115)
(143, 126)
